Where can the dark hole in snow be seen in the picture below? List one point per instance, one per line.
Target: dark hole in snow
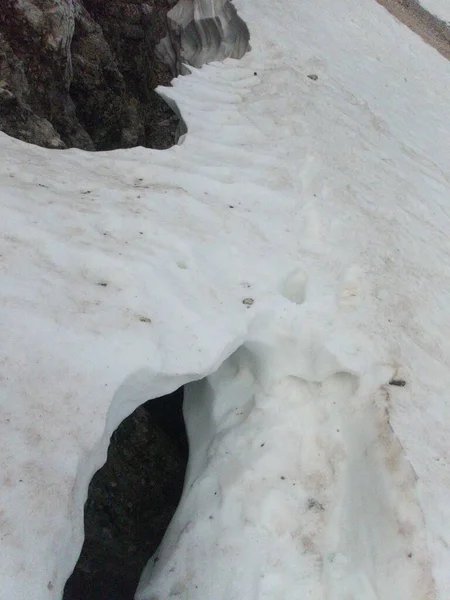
(131, 501)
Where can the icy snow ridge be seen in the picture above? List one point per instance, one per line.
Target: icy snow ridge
(296, 485)
(209, 30)
(125, 275)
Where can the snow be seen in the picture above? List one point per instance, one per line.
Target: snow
(298, 487)
(440, 8)
(326, 203)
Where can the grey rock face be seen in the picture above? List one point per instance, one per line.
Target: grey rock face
(82, 73)
(16, 117)
(124, 110)
(35, 69)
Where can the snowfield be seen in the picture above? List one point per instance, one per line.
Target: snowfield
(294, 250)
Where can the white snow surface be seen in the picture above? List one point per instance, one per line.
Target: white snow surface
(440, 8)
(327, 203)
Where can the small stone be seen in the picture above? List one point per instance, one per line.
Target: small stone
(145, 319)
(398, 382)
(313, 503)
(313, 76)
(248, 301)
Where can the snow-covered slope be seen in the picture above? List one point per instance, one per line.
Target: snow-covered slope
(127, 274)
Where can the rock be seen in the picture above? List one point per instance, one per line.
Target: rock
(35, 52)
(16, 117)
(132, 31)
(97, 87)
(82, 73)
(398, 382)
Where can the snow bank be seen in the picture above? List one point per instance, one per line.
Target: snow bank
(294, 248)
(296, 486)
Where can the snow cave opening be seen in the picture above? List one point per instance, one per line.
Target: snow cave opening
(131, 501)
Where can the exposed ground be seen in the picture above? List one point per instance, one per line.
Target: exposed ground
(431, 29)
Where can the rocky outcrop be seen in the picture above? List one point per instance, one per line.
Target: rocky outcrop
(16, 115)
(82, 73)
(115, 72)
